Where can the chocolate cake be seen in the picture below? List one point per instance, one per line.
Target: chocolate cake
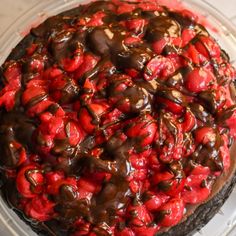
(117, 118)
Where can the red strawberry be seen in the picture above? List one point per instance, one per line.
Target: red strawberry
(21, 152)
(51, 73)
(132, 40)
(55, 187)
(74, 133)
(12, 72)
(89, 62)
(125, 232)
(170, 105)
(154, 162)
(189, 121)
(173, 212)
(187, 36)
(155, 201)
(39, 107)
(167, 183)
(70, 64)
(205, 135)
(88, 185)
(208, 47)
(90, 117)
(158, 46)
(198, 80)
(8, 100)
(29, 181)
(158, 67)
(143, 128)
(150, 6)
(35, 64)
(192, 54)
(136, 25)
(32, 93)
(96, 19)
(138, 161)
(40, 208)
(201, 170)
(125, 7)
(146, 231)
(138, 214)
(54, 176)
(195, 190)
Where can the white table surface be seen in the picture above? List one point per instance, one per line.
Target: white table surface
(10, 10)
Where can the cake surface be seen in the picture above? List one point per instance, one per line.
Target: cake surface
(118, 118)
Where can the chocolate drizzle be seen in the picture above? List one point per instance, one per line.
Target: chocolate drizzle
(161, 27)
(14, 127)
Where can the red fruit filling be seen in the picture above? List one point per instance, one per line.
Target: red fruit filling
(115, 117)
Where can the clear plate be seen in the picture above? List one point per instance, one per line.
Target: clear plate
(224, 223)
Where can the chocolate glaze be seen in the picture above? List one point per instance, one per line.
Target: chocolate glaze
(162, 26)
(15, 126)
(107, 42)
(135, 95)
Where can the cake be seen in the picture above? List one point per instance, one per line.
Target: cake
(117, 118)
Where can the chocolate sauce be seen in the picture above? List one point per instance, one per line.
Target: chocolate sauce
(161, 27)
(172, 94)
(14, 126)
(137, 97)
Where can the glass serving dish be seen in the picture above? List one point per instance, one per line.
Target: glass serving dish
(224, 223)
